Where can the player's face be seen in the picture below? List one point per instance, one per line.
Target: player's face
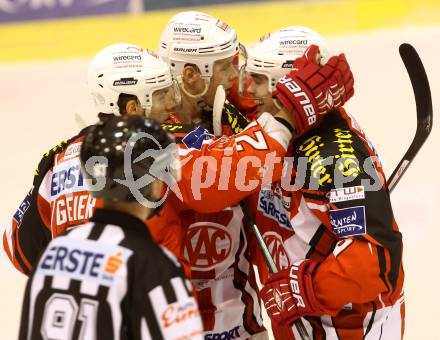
(225, 72)
(258, 89)
(165, 101)
(258, 86)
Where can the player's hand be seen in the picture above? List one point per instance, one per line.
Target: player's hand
(288, 294)
(310, 90)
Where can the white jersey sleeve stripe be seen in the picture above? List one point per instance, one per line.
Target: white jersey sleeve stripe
(111, 235)
(145, 332)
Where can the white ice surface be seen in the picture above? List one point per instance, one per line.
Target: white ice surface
(38, 102)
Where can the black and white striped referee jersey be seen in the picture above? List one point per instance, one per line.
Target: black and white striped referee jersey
(107, 279)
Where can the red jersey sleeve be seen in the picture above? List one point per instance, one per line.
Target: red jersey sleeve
(341, 279)
(29, 231)
(223, 171)
(166, 229)
(352, 201)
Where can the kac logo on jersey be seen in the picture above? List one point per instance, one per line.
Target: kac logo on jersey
(227, 335)
(207, 244)
(195, 138)
(349, 221)
(276, 247)
(272, 206)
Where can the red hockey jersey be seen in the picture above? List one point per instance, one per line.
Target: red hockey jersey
(332, 205)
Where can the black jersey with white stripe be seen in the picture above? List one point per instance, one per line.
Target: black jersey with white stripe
(107, 279)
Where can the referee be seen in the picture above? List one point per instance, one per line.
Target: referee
(107, 279)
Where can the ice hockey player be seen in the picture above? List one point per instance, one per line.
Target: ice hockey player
(215, 243)
(107, 279)
(202, 52)
(58, 199)
(329, 222)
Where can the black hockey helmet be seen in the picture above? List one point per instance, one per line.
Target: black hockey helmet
(118, 152)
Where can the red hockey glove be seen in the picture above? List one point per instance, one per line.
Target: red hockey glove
(311, 90)
(288, 294)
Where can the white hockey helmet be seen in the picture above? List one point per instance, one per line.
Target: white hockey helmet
(274, 53)
(129, 69)
(196, 38)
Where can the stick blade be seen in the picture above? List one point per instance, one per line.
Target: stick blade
(422, 94)
(420, 84)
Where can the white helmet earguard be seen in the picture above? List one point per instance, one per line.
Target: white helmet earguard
(129, 69)
(275, 52)
(196, 38)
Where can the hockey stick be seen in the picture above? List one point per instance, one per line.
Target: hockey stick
(217, 110)
(422, 94)
(270, 263)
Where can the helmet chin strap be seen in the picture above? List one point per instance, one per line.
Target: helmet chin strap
(199, 96)
(147, 112)
(115, 110)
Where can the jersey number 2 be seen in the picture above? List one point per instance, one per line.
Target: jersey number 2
(258, 143)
